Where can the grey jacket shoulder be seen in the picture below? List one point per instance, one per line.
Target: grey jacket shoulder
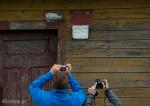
(109, 94)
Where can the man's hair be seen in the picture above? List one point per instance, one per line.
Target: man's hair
(60, 81)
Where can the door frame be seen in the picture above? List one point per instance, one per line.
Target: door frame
(61, 32)
(36, 25)
(39, 25)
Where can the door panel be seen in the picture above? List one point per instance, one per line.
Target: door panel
(12, 85)
(26, 47)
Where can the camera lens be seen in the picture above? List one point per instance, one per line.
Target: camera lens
(99, 84)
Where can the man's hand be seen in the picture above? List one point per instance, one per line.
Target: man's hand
(92, 90)
(55, 68)
(105, 84)
(68, 68)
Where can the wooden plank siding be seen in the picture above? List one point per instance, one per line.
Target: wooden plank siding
(118, 50)
(69, 5)
(97, 14)
(118, 47)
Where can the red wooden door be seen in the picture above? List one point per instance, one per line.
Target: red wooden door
(25, 55)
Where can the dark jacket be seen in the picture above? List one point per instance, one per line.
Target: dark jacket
(109, 94)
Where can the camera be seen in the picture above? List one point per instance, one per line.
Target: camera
(99, 84)
(63, 68)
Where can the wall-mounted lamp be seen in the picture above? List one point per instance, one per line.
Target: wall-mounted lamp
(52, 17)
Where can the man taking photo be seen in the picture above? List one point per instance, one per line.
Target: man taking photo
(60, 94)
(113, 99)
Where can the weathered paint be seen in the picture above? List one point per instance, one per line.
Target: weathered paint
(27, 25)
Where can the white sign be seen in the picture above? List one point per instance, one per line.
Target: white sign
(80, 31)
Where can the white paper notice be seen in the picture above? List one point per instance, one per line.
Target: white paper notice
(80, 31)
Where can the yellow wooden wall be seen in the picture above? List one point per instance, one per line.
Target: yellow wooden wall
(118, 47)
